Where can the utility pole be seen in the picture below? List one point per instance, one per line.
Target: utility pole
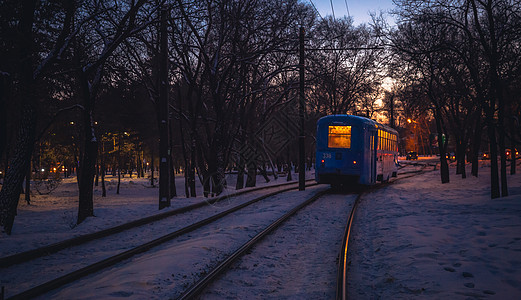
(302, 137)
(391, 107)
(164, 135)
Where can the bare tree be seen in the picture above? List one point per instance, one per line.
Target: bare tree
(31, 68)
(476, 40)
(346, 66)
(112, 23)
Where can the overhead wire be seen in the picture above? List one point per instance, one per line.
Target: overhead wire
(347, 7)
(312, 4)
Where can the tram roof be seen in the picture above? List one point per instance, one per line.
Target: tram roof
(358, 120)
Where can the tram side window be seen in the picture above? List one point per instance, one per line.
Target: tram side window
(380, 140)
(339, 137)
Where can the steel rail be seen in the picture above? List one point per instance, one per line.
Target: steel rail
(199, 286)
(110, 261)
(81, 239)
(341, 286)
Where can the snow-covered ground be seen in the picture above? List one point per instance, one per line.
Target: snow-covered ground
(421, 238)
(416, 237)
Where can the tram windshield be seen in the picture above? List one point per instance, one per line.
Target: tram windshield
(339, 137)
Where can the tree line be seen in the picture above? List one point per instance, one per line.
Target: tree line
(229, 74)
(460, 61)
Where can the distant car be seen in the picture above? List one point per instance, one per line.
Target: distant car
(486, 155)
(411, 155)
(451, 156)
(508, 154)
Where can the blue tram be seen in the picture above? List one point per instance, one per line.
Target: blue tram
(355, 150)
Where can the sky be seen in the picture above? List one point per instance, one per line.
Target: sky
(359, 10)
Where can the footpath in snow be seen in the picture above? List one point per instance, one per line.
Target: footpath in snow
(420, 238)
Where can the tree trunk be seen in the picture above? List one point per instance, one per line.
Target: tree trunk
(476, 144)
(89, 154)
(3, 115)
(20, 161)
(142, 157)
(251, 180)
(173, 189)
(185, 156)
(461, 158)
(494, 177)
(444, 167)
(240, 174)
(264, 173)
(513, 153)
(193, 162)
(119, 179)
(87, 172)
(218, 177)
(96, 180)
(503, 158)
(103, 188)
(18, 166)
(152, 169)
(28, 185)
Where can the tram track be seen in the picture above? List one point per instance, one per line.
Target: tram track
(26, 256)
(342, 279)
(222, 267)
(107, 262)
(75, 275)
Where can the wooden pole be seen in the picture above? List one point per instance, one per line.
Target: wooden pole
(302, 137)
(164, 155)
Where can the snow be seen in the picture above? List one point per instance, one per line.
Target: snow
(414, 237)
(419, 237)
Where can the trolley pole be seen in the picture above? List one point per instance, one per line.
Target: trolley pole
(302, 137)
(164, 149)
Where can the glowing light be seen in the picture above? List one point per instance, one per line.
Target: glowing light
(339, 137)
(354, 162)
(323, 161)
(72, 123)
(43, 170)
(409, 121)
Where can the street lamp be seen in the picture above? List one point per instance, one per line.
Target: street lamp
(410, 121)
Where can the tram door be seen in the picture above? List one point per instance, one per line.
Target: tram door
(373, 155)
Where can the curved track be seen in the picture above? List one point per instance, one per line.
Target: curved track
(198, 287)
(55, 247)
(102, 264)
(341, 291)
(81, 272)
